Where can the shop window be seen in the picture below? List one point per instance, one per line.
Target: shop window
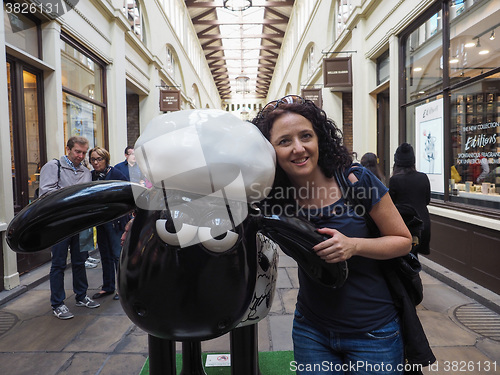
(344, 10)
(21, 30)
(132, 10)
(80, 73)
(26, 129)
(84, 106)
(452, 109)
(475, 142)
(474, 46)
(423, 60)
(170, 63)
(383, 67)
(311, 67)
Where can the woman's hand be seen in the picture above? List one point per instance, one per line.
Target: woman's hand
(336, 249)
(394, 240)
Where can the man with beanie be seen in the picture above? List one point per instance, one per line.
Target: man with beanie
(411, 187)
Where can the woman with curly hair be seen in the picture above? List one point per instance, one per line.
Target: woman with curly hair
(355, 328)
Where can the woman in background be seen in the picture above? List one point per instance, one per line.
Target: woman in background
(411, 187)
(108, 234)
(370, 161)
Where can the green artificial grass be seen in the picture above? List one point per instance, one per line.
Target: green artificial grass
(270, 363)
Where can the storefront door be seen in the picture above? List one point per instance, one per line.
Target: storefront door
(383, 151)
(27, 138)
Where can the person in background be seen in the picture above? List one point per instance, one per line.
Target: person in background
(69, 170)
(87, 240)
(370, 161)
(130, 169)
(408, 186)
(108, 234)
(359, 321)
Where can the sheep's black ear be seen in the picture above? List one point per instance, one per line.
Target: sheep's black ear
(68, 211)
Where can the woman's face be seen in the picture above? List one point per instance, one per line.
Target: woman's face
(296, 145)
(97, 161)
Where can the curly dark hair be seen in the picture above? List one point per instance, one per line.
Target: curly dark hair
(333, 155)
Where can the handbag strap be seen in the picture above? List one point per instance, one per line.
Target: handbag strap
(407, 264)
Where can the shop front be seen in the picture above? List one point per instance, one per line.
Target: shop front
(450, 112)
(26, 114)
(29, 106)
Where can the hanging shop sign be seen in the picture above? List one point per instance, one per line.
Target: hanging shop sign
(337, 73)
(313, 95)
(170, 100)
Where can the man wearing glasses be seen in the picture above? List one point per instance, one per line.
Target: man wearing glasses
(130, 168)
(57, 174)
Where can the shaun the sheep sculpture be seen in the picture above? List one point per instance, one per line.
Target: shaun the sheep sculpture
(200, 259)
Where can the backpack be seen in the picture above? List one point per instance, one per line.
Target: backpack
(406, 267)
(37, 191)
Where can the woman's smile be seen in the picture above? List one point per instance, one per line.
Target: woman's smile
(300, 161)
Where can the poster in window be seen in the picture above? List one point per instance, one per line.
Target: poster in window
(81, 119)
(429, 148)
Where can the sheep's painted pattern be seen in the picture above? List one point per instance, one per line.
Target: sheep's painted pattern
(265, 286)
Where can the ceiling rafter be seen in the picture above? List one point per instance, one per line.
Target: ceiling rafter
(262, 22)
(256, 52)
(256, 3)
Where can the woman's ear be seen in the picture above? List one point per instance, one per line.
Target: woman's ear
(68, 211)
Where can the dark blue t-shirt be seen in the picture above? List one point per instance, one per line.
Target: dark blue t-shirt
(364, 302)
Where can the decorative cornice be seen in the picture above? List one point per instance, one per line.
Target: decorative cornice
(77, 11)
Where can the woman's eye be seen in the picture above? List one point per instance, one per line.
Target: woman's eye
(307, 136)
(219, 243)
(175, 236)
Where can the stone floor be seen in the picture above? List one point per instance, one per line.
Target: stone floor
(464, 334)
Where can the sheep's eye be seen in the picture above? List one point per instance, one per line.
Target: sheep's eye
(216, 233)
(180, 238)
(217, 244)
(176, 227)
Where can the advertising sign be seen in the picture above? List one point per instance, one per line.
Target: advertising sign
(429, 147)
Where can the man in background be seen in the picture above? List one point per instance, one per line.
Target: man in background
(57, 174)
(130, 168)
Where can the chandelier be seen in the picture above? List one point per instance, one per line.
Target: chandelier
(242, 84)
(237, 5)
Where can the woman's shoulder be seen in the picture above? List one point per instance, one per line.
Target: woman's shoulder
(363, 176)
(366, 185)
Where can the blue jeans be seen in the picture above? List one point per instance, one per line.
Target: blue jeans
(320, 351)
(59, 255)
(108, 241)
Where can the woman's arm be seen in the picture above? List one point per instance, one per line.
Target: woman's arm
(394, 240)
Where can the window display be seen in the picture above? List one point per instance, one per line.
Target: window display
(476, 142)
(468, 86)
(83, 95)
